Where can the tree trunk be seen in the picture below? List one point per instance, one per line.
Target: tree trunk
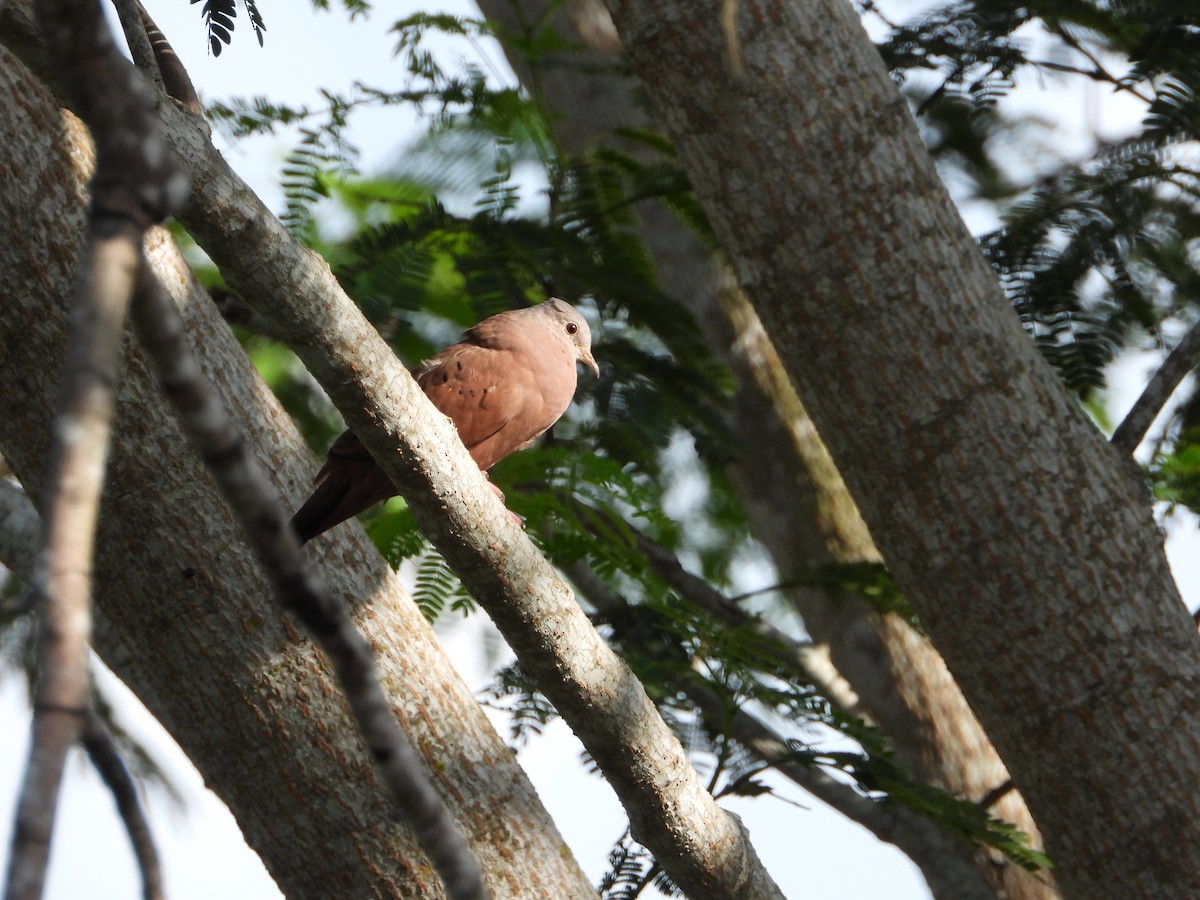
(185, 618)
(1025, 543)
(795, 498)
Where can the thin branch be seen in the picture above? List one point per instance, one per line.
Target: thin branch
(996, 794)
(1184, 358)
(102, 750)
(779, 648)
(297, 590)
(931, 848)
(1098, 71)
(64, 574)
(136, 183)
(1095, 73)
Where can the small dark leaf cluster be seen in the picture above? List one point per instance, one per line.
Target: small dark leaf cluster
(219, 16)
(631, 868)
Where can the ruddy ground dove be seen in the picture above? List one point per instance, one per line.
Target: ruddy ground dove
(508, 380)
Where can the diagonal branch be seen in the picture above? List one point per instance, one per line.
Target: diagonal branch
(102, 750)
(1184, 358)
(777, 647)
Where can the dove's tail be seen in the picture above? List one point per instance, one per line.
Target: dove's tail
(348, 483)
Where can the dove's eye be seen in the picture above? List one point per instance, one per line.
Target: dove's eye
(572, 328)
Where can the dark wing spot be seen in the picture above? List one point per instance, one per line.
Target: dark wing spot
(445, 378)
(459, 364)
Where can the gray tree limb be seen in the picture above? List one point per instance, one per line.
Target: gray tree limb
(1183, 359)
(1022, 540)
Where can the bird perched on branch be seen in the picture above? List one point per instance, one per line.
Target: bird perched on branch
(508, 380)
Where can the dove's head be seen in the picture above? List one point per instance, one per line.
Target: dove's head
(574, 326)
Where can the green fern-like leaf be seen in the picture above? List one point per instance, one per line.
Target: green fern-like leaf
(529, 711)
(437, 586)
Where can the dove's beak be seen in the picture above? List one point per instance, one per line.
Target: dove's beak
(585, 357)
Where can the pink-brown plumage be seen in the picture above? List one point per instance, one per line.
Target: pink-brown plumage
(504, 384)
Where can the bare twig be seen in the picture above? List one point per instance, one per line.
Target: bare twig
(922, 840)
(931, 848)
(102, 750)
(996, 794)
(778, 647)
(1181, 360)
(258, 509)
(1098, 72)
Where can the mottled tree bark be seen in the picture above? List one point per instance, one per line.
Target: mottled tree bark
(1025, 543)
